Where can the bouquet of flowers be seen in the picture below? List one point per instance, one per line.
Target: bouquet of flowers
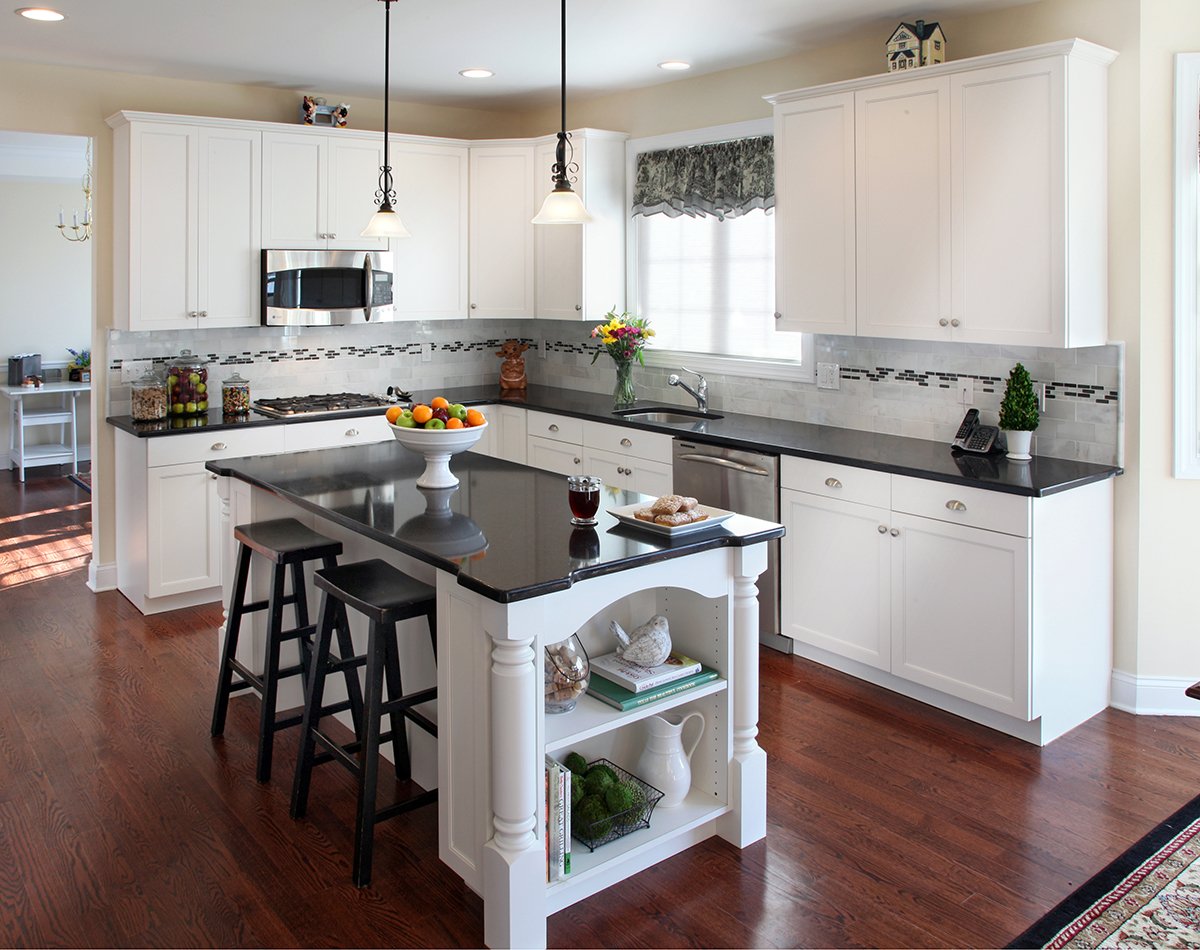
(82, 358)
(623, 337)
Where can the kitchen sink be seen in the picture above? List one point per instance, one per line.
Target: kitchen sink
(667, 415)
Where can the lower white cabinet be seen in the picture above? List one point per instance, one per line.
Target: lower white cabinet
(997, 607)
(504, 437)
(626, 458)
(183, 521)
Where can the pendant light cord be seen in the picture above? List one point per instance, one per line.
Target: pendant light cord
(385, 177)
(564, 67)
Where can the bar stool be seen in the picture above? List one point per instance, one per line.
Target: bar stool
(286, 543)
(386, 596)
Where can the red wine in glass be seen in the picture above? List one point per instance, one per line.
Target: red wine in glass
(583, 495)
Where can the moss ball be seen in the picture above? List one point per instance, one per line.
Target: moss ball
(577, 793)
(598, 779)
(576, 763)
(590, 819)
(619, 798)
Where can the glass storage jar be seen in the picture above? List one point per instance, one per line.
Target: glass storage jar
(187, 386)
(567, 671)
(148, 398)
(235, 395)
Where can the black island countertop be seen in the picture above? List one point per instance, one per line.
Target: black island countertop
(895, 454)
(505, 530)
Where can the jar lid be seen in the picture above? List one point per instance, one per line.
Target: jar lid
(235, 380)
(149, 378)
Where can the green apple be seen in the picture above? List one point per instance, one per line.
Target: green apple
(190, 407)
(405, 420)
(202, 388)
(194, 378)
(202, 405)
(177, 408)
(458, 411)
(435, 423)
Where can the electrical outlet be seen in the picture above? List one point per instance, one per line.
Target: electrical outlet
(828, 376)
(133, 369)
(966, 390)
(426, 352)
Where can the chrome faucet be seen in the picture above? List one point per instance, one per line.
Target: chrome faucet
(700, 393)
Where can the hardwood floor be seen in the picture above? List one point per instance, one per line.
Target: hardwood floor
(122, 823)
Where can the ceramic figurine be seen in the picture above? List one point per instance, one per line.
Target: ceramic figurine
(648, 645)
(512, 370)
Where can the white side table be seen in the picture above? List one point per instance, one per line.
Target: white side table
(61, 414)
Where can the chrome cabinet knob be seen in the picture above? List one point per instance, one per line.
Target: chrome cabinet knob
(553, 427)
(954, 322)
(204, 313)
(351, 433)
(578, 307)
(955, 505)
(895, 532)
(577, 460)
(883, 529)
(474, 306)
(943, 322)
(778, 315)
(832, 482)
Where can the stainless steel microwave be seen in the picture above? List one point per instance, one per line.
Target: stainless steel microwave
(326, 288)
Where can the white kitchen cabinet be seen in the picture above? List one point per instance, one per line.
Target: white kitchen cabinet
(624, 457)
(964, 598)
(580, 269)
(627, 472)
(504, 437)
(187, 227)
(183, 521)
(319, 189)
(331, 433)
(979, 209)
(501, 235)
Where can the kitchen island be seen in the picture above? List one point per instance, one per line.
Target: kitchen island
(512, 577)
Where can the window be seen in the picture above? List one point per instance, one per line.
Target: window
(1187, 265)
(704, 275)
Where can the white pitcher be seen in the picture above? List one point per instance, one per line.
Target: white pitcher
(664, 763)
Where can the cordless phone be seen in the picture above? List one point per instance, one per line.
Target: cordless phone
(973, 437)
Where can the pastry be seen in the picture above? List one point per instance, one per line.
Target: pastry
(667, 505)
(644, 514)
(688, 504)
(674, 519)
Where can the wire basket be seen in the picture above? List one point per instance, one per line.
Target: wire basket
(613, 826)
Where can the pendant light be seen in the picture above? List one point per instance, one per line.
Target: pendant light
(385, 223)
(562, 205)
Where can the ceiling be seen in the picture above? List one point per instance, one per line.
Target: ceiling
(336, 46)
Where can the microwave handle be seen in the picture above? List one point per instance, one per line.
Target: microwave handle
(368, 286)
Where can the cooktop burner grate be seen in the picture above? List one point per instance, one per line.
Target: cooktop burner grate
(323, 404)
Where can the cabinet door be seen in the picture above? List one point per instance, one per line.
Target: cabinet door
(615, 470)
(814, 215)
(431, 199)
(551, 456)
(649, 478)
(295, 179)
(1009, 202)
(960, 612)
(229, 227)
(163, 205)
(510, 439)
(559, 248)
(836, 579)
(502, 240)
(183, 524)
(353, 180)
(902, 147)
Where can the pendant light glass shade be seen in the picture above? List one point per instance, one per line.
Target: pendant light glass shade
(385, 223)
(562, 205)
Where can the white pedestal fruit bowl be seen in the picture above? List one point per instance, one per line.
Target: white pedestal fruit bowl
(437, 445)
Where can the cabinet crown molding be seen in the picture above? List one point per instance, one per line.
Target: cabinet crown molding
(1080, 49)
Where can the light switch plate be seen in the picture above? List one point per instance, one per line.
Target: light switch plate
(133, 369)
(966, 390)
(426, 352)
(828, 376)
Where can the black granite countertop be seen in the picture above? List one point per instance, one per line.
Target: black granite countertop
(886, 453)
(505, 530)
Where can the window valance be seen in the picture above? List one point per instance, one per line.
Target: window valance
(724, 179)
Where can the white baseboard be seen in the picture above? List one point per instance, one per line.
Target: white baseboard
(102, 576)
(1153, 695)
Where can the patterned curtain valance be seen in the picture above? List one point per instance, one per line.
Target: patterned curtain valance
(725, 179)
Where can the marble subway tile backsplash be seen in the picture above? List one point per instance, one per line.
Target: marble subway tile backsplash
(890, 386)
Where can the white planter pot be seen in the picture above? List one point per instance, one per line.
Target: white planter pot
(1018, 444)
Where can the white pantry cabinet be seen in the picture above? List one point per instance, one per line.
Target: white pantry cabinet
(501, 235)
(994, 606)
(186, 224)
(964, 201)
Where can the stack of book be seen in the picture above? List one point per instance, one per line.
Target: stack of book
(558, 820)
(626, 685)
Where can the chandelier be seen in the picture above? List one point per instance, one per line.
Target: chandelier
(77, 231)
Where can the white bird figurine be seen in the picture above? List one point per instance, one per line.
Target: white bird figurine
(648, 645)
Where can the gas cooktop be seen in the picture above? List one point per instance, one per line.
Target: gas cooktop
(322, 405)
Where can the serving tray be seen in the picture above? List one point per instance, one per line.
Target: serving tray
(624, 514)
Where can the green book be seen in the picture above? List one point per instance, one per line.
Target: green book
(609, 692)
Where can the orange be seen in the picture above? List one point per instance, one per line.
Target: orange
(393, 413)
(453, 423)
(440, 402)
(422, 414)
(475, 417)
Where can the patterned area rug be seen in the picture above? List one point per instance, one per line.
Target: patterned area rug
(1148, 897)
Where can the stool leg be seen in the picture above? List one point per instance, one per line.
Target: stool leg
(266, 726)
(395, 690)
(314, 697)
(346, 651)
(300, 606)
(368, 775)
(233, 622)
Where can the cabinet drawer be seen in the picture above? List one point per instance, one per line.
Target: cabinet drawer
(625, 440)
(863, 486)
(330, 433)
(222, 444)
(550, 426)
(957, 504)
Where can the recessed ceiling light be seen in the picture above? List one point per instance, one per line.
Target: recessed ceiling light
(476, 72)
(674, 64)
(40, 13)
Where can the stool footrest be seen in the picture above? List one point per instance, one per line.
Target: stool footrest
(264, 604)
(251, 680)
(391, 811)
(297, 633)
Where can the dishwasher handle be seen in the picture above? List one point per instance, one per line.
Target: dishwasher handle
(725, 463)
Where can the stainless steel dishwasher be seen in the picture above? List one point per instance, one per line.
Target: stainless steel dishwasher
(748, 483)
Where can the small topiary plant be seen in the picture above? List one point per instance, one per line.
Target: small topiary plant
(1018, 408)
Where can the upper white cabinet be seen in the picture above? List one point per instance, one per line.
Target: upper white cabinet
(186, 224)
(502, 239)
(964, 201)
(580, 269)
(319, 189)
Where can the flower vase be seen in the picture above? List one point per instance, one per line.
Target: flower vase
(623, 394)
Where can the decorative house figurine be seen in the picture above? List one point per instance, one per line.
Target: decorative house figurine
(512, 370)
(912, 45)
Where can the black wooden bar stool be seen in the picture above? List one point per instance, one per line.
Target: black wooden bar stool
(286, 543)
(386, 596)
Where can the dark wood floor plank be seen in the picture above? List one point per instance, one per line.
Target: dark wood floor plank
(890, 823)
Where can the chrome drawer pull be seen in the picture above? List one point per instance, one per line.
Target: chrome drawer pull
(351, 433)
(218, 447)
(832, 482)
(955, 505)
(626, 443)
